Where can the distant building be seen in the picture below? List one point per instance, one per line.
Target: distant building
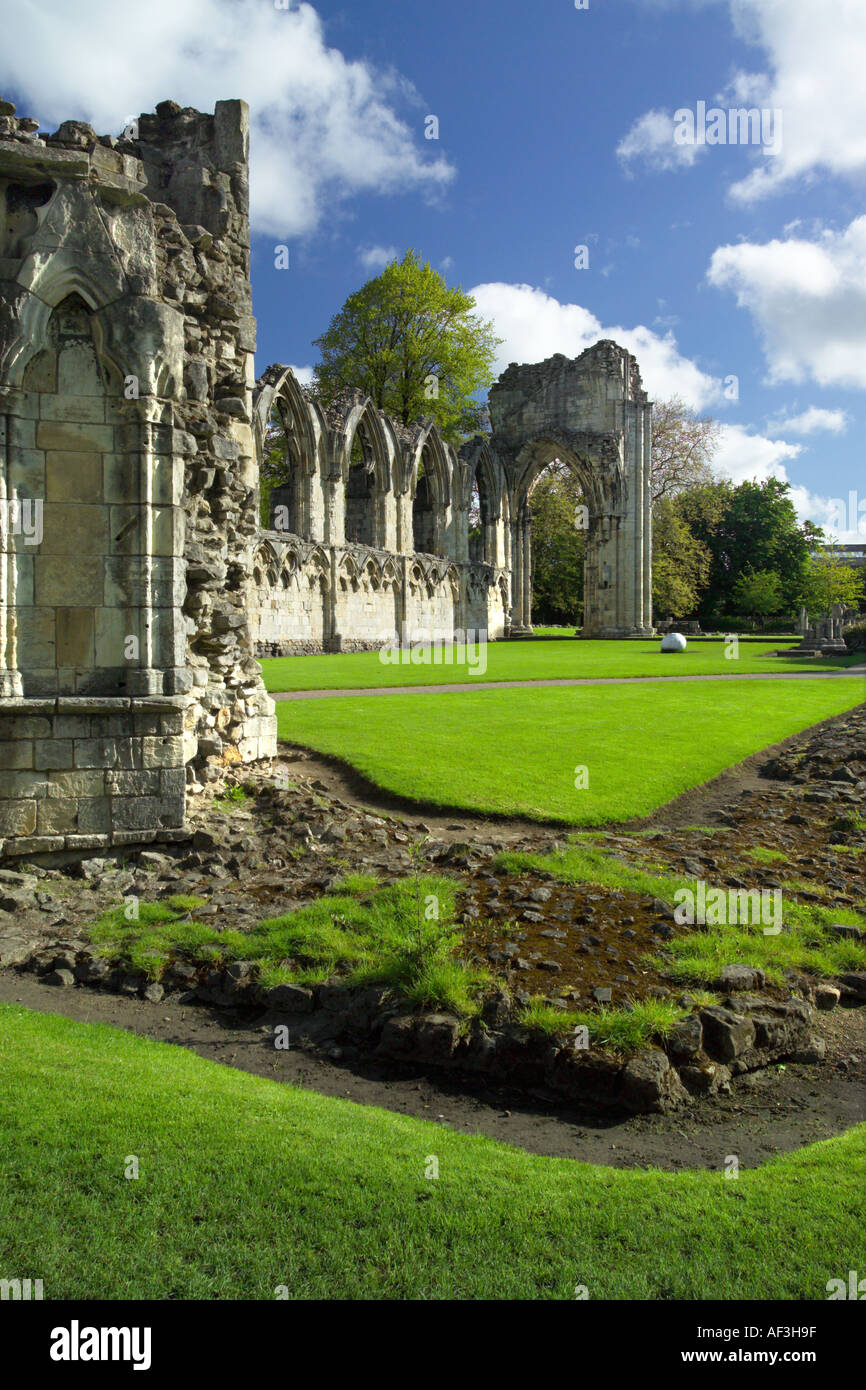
(853, 555)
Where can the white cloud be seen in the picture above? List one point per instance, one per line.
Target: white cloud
(843, 518)
(814, 420)
(534, 326)
(305, 375)
(814, 76)
(742, 455)
(377, 257)
(808, 301)
(651, 140)
(323, 127)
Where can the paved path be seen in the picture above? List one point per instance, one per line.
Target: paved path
(589, 680)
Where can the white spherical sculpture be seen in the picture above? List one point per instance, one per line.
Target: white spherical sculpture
(674, 642)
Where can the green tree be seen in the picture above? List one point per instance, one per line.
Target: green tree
(758, 594)
(558, 542)
(413, 345)
(828, 581)
(681, 562)
(750, 528)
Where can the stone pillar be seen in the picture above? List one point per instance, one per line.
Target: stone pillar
(335, 505)
(11, 686)
(527, 572)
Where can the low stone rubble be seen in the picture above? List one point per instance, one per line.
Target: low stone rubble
(291, 838)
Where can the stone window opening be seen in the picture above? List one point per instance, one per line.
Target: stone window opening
(361, 491)
(283, 469)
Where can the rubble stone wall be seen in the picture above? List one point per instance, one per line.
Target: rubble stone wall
(128, 475)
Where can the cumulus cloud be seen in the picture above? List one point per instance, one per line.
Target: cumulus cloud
(742, 455)
(323, 127)
(376, 257)
(534, 325)
(812, 73)
(808, 302)
(305, 375)
(651, 141)
(814, 421)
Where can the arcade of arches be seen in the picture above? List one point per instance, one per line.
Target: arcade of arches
(377, 530)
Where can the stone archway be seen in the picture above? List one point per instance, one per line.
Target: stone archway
(592, 413)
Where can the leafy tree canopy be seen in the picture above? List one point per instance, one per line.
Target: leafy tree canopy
(413, 345)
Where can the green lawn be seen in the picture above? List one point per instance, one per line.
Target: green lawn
(532, 661)
(516, 751)
(246, 1185)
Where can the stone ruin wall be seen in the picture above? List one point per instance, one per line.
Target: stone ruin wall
(371, 539)
(131, 416)
(126, 392)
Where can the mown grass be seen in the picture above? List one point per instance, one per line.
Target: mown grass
(530, 752)
(247, 1185)
(548, 660)
(401, 934)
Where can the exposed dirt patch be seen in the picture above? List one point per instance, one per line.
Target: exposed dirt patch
(768, 1113)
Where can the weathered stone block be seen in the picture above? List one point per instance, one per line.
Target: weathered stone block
(726, 1034)
(16, 755)
(79, 438)
(72, 477)
(56, 817)
(162, 752)
(79, 784)
(17, 817)
(53, 754)
(75, 631)
(23, 784)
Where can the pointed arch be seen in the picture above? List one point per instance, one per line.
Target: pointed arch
(429, 466)
(289, 436)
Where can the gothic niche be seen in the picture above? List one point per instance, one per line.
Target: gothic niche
(19, 217)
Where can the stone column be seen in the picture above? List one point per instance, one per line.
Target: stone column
(11, 684)
(335, 505)
(527, 572)
(648, 523)
(516, 579)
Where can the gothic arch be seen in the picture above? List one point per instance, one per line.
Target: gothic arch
(282, 409)
(592, 413)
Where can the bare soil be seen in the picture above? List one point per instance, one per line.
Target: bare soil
(770, 1112)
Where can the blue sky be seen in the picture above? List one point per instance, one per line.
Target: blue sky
(555, 131)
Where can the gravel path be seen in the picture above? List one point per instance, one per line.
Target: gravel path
(588, 680)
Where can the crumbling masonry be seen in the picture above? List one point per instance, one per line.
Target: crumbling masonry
(136, 585)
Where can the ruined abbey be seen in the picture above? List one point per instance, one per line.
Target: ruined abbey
(137, 586)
